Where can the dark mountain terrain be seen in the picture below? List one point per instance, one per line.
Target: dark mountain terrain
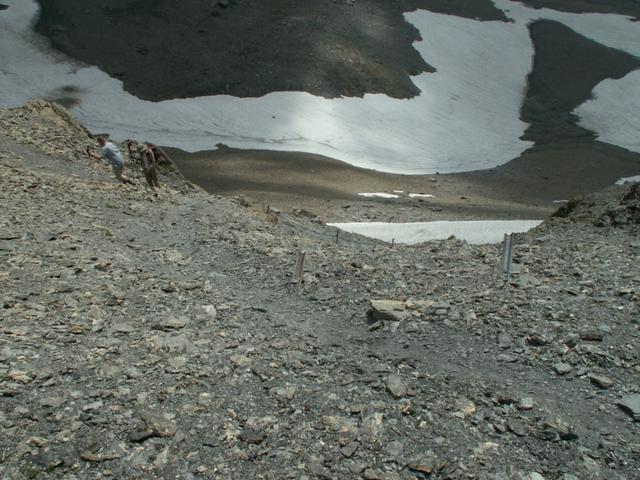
(163, 49)
(566, 69)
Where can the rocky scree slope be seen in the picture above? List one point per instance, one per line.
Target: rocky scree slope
(148, 336)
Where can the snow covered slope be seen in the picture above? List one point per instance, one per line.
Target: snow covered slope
(466, 118)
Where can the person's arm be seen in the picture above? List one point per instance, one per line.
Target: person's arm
(93, 155)
(155, 152)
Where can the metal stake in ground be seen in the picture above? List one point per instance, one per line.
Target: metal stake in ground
(507, 251)
(297, 272)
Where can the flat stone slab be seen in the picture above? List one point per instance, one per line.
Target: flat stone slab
(396, 386)
(562, 368)
(631, 405)
(389, 310)
(601, 381)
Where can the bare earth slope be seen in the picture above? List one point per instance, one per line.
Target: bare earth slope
(151, 336)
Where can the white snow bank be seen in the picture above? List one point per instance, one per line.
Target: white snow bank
(379, 195)
(614, 111)
(624, 180)
(421, 195)
(480, 231)
(395, 194)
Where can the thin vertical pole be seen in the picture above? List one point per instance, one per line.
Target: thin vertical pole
(297, 272)
(507, 253)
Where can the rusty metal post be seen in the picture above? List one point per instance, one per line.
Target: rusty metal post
(297, 272)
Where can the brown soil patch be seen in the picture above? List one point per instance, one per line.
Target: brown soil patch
(525, 188)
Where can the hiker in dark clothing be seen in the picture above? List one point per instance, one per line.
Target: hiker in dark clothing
(144, 153)
(149, 161)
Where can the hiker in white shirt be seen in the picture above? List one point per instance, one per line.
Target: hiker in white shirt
(110, 152)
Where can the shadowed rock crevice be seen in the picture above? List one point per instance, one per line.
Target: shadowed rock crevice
(566, 69)
(162, 49)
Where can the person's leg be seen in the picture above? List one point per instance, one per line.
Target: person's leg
(154, 176)
(117, 171)
(149, 178)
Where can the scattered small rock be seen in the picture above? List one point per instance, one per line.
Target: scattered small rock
(601, 381)
(396, 386)
(562, 368)
(388, 310)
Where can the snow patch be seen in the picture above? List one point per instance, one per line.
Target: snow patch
(421, 195)
(379, 195)
(625, 180)
(476, 232)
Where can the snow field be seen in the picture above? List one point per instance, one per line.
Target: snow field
(476, 232)
(466, 118)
